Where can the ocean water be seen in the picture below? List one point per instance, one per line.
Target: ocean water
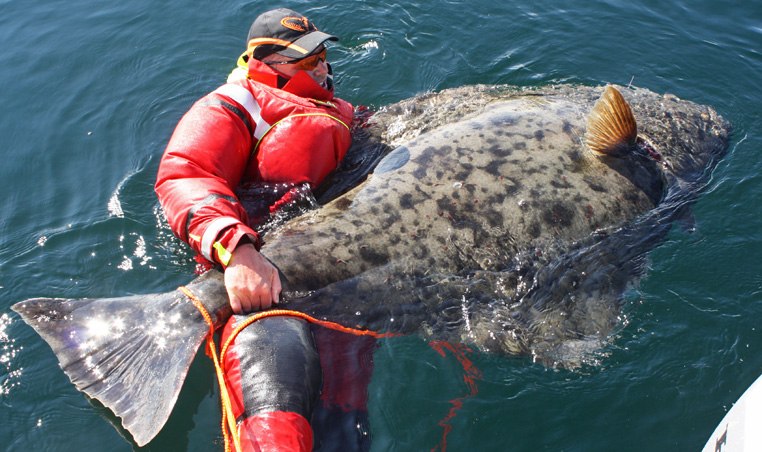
(92, 91)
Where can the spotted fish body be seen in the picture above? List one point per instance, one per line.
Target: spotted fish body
(470, 195)
(511, 220)
(468, 230)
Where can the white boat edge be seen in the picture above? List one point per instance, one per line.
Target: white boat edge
(741, 428)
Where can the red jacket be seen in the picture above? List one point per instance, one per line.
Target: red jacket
(247, 131)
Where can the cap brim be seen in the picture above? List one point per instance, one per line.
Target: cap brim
(306, 44)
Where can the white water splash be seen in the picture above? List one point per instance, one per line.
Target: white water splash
(8, 351)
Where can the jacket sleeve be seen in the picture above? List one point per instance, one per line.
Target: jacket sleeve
(203, 164)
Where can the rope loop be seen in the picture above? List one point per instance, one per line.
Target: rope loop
(229, 427)
(228, 420)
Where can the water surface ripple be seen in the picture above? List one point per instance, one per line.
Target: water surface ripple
(93, 90)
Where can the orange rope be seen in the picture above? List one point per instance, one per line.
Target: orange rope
(276, 312)
(228, 420)
(472, 374)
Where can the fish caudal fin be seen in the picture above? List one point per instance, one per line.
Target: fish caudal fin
(131, 353)
(611, 126)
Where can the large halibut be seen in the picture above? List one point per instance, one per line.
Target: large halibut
(509, 219)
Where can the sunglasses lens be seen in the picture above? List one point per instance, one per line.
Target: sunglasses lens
(312, 61)
(307, 63)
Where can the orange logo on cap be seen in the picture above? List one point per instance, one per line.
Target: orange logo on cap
(298, 23)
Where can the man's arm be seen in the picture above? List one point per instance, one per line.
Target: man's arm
(201, 167)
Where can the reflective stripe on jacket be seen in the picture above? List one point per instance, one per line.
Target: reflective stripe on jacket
(247, 131)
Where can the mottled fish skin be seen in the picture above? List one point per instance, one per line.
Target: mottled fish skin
(489, 222)
(469, 195)
(506, 190)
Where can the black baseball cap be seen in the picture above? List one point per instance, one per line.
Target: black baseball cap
(285, 32)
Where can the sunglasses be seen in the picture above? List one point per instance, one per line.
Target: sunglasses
(307, 63)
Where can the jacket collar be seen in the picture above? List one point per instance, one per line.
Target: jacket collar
(301, 84)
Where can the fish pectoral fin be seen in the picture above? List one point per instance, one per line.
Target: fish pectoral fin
(611, 126)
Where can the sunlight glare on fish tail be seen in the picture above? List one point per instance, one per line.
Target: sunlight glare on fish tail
(98, 327)
(159, 328)
(164, 328)
(93, 367)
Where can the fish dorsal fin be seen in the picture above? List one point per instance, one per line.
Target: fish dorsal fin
(611, 126)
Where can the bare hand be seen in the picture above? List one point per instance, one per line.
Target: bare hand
(251, 280)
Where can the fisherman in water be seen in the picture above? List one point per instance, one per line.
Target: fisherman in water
(273, 132)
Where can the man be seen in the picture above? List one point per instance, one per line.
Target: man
(285, 117)
(275, 122)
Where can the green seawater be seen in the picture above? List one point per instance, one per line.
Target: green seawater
(92, 90)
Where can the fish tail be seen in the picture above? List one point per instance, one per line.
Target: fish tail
(131, 353)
